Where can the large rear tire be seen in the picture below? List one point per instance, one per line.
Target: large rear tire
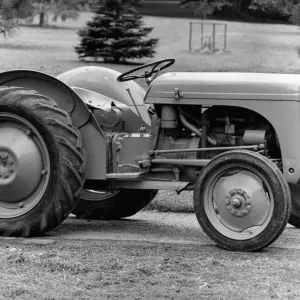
(113, 205)
(242, 201)
(41, 163)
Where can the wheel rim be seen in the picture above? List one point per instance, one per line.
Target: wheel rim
(239, 205)
(97, 195)
(24, 166)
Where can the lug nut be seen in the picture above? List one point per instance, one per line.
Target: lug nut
(43, 172)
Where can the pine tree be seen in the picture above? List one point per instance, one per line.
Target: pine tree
(116, 33)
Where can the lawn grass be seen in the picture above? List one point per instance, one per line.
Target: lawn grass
(44, 269)
(251, 48)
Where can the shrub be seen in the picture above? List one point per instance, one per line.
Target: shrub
(295, 15)
(269, 9)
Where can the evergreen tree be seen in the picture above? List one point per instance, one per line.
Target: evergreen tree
(116, 33)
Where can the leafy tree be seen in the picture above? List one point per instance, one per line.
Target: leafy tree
(271, 9)
(10, 12)
(58, 9)
(203, 8)
(116, 33)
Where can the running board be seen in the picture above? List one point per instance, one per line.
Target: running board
(128, 175)
(177, 186)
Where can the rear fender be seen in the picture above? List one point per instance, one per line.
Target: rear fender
(94, 141)
(51, 87)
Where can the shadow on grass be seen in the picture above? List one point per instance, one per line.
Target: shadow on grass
(108, 62)
(36, 26)
(14, 46)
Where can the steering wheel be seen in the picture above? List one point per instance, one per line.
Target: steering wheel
(164, 62)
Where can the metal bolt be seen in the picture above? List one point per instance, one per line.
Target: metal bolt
(28, 131)
(236, 202)
(227, 202)
(10, 162)
(21, 204)
(247, 202)
(291, 170)
(232, 211)
(5, 155)
(43, 172)
(5, 175)
(11, 170)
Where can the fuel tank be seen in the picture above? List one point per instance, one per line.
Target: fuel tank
(104, 81)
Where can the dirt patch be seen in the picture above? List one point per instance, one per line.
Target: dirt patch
(76, 269)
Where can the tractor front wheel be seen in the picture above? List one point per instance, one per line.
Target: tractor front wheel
(114, 205)
(242, 201)
(41, 163)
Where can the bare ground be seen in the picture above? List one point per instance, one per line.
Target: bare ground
(72, 263)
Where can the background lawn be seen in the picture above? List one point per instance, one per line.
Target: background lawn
(251, 48)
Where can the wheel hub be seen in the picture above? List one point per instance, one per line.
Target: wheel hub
(241, 201)
(24, 162)
(6, 166)
(238, 202)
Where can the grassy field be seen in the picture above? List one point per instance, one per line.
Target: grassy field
(45, 269)
(251, 48)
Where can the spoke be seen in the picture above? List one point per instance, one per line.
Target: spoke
(241, 201)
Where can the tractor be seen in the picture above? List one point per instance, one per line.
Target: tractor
(94, 143)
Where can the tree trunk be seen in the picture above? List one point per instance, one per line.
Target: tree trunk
(116, 59)
(242, 4)
(42, 19)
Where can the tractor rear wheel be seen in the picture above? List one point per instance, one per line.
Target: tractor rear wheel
(41, 163)
(295, 212)
(242, 201)
(114, 205)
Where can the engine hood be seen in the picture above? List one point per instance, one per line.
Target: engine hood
(223, 85)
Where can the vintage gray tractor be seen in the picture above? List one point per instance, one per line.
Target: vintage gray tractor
(94, 143)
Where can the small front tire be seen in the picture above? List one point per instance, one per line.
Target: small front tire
(242, 201)
(114, 205)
